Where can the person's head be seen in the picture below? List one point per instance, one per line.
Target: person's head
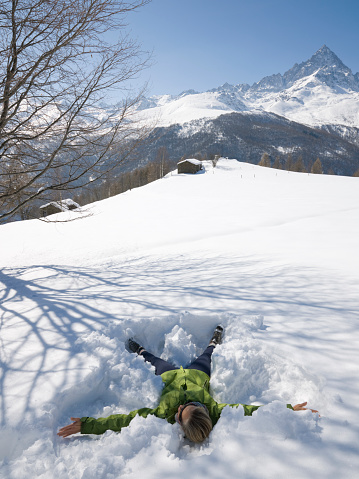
(194, 419)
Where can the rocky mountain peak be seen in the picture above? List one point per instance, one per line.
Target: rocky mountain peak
(285, 94)
(326, 66)
(326, 57)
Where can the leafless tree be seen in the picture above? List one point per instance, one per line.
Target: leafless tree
(162, 160)
(57, 64)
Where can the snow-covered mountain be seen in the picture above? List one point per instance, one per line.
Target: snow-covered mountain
(324, 65)
(247, 135)
(319, 91)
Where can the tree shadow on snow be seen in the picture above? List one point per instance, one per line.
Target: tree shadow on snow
(45, 310)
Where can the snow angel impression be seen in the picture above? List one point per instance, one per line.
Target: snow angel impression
(185, 398)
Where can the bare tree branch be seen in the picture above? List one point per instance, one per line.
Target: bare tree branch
(56, 67)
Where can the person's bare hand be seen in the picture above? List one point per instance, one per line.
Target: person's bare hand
(300, 407)
(73, 428)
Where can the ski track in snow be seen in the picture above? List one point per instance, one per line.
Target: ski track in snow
(290, 336)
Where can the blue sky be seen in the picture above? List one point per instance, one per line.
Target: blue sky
(201, 44)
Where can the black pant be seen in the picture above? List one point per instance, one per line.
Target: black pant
(202, 363)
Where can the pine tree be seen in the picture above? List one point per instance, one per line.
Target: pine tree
(299, 166)
(289, 163)
(317, 167)
(277, 163)
(265, 160)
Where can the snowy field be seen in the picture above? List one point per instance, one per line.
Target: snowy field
(271, 255)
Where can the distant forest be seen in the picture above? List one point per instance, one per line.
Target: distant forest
(115, 184)
(163, 165)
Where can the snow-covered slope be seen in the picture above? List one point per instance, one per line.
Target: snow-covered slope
(270, 254)
(168, 110)
(312, 102)
(319, 91)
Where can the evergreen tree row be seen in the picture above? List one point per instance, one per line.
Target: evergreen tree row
(290, 165)
(112, 186)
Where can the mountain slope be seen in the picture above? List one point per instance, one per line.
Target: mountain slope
(247, 135)
(324, 65)
(319, 91)
(270, 254)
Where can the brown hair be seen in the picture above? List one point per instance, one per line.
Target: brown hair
(198, 425)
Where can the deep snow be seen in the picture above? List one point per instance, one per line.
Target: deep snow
(271, 255)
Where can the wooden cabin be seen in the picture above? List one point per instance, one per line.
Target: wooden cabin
(191, 165)
(58, 207)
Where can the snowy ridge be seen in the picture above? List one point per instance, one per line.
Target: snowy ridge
(319, 91)
(168, 111)
(269, 254)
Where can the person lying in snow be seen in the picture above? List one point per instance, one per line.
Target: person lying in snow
(185, 398)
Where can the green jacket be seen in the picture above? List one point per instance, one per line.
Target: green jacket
(181, 386)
